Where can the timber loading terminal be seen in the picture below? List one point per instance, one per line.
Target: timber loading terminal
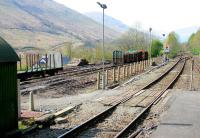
(142, 97)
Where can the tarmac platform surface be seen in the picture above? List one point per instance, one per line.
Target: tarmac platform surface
(182, 119)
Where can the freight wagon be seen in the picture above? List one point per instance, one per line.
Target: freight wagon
(120, 58)
(36, 65)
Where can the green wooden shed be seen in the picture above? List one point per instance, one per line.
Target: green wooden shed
(8, 88)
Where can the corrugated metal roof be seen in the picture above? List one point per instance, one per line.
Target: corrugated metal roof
(7, 53)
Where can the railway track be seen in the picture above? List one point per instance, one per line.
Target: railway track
(116, 120)
(70, 72)
(195, 76)
(185, 80)
(64, 77)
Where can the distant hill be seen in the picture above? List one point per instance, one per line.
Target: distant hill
(109, 21)
(185, 33)
(44, 23)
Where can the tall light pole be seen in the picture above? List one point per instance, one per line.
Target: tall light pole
(163, 38)
(103, 6)
(163, 47)
(150, 29)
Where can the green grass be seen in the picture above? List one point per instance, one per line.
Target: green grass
(24, 124)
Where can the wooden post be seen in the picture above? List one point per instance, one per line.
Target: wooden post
(46, 60)
(31, 102)
(50, 60)
(192, 68)
(130, 69)
(103, 80)
(19, 98)
(26, 63)
(54, 62)
(31, 62)
(20, 62)
(33, 59)
(114, 75)
(146, 63)
(38, 61)
(127, 71)
(134, 68)
(118, 75)
(61, 60)
(106, 78)
(123, 72)
(143, 65)
(98, 80)
(139, 67)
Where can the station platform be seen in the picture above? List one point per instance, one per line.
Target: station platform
(182, 118)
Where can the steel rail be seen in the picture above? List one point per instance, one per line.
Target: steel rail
(70, 72)
(73, 132)
(127, 96)
(145, 110)
(79, 73)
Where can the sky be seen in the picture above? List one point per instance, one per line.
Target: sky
(163, 16)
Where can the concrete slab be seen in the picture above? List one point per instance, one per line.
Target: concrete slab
(182, 119)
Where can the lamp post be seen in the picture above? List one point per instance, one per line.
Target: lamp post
(163, 35)
(103, 6)
(163, 38)
(163, 46)
(150, 29)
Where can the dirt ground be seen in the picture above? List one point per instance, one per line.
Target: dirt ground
(92, 102)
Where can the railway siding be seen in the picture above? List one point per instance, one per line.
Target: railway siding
(71, 132)
(92, 100)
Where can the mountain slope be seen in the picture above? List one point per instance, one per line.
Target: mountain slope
(45, 22)
(109, 21)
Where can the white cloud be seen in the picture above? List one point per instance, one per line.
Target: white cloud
(161, 15)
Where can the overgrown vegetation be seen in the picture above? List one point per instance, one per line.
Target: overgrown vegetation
(194, 43)
(156, 48)
(173, 44)
(133, 39)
